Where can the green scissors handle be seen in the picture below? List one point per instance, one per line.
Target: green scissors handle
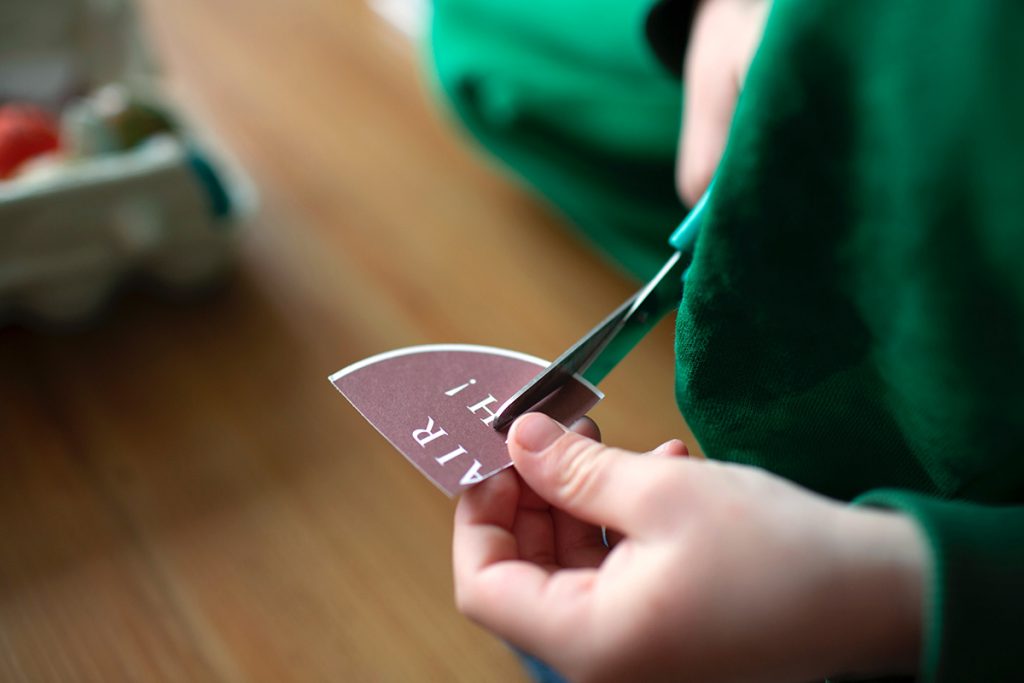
(685, 236)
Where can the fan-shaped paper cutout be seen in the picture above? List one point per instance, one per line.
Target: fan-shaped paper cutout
(436, 405)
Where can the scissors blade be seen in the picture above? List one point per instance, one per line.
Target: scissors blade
(601, 349)
(660, 296)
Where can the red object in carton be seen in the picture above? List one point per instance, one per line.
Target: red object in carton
(25, 132)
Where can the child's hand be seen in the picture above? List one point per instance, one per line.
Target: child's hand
(725, 35)
(724, 573)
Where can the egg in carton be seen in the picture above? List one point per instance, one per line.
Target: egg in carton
(127, 190)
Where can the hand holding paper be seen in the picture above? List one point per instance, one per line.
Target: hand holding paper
(437, 404)
(724, 573)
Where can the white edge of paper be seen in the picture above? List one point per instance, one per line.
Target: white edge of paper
(462, 348)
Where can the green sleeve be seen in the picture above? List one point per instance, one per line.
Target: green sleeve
(854, 316)
(974, 614)
(668, 30)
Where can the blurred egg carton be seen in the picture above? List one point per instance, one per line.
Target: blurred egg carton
(69, 237)
(131, 192)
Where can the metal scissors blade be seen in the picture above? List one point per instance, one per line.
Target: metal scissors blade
(603, 347)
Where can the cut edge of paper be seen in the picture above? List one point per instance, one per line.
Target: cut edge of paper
(462, 348)
(425, 473)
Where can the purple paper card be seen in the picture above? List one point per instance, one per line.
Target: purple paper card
(436, 405)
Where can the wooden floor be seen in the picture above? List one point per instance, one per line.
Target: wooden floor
(183, 496)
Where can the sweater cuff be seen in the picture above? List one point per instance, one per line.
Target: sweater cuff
(974, 613)
(668, 32)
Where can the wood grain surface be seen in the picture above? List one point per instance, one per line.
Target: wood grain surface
(183, 496)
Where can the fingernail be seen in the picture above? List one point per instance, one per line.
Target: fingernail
(672, 448)
(534, 432)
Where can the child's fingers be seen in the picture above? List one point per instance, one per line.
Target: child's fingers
(527, 497)
(535, 535)
(587, 428)
(711, 93)
(532, 608)
(673, 448)
(583, 477)
(492, 502)
(519, 600)
(577, 543)
(724, 38)
(483, 524)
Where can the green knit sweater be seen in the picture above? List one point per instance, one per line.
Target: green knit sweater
(854, 315)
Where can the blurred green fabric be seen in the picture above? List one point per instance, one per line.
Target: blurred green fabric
(570, 97)
(854, 316)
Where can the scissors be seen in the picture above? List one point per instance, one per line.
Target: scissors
(601, 349)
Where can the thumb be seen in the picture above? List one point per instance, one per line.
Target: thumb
(583, 477)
